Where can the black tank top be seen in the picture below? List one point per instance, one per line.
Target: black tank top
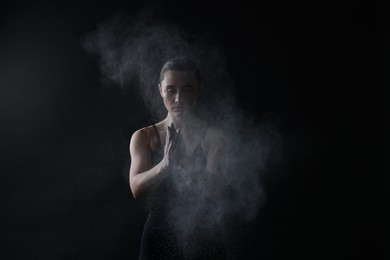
(196, 161)
(178, 187)
(179, 225)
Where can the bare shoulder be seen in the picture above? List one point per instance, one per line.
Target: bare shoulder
(215, 131)
(141, 135)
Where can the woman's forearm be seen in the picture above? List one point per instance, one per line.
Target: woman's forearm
(142, 182)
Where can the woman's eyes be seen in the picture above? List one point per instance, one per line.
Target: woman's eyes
(185, 90)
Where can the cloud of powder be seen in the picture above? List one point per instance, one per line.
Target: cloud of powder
(131, 52)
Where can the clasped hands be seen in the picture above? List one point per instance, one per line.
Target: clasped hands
(174, 150)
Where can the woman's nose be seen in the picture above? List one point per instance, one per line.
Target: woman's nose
(178, 97)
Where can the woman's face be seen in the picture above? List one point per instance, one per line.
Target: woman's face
(179, 90)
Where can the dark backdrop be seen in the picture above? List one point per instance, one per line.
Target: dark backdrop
(319, 67)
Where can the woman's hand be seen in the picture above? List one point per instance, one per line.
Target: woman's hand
(174, 148)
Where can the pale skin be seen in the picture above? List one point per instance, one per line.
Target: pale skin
(180, 132)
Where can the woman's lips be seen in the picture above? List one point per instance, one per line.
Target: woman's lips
(178, 110)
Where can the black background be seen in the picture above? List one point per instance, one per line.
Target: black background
(319, 67)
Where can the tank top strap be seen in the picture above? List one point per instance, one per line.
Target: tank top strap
(158, 136)
(197, 149)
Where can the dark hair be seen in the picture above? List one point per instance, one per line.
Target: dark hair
(180, 64)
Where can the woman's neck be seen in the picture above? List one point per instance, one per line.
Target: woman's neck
(184, 123)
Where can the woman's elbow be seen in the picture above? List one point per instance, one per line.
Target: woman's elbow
(135, 195)
(135, 189)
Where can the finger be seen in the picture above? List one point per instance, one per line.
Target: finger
(167, 138)
(168, 148)
(170, 133)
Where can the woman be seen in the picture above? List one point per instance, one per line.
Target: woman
(178, 164)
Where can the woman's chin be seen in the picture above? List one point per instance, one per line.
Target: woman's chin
(178, 112)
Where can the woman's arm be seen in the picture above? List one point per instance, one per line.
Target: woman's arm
(142, 176)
